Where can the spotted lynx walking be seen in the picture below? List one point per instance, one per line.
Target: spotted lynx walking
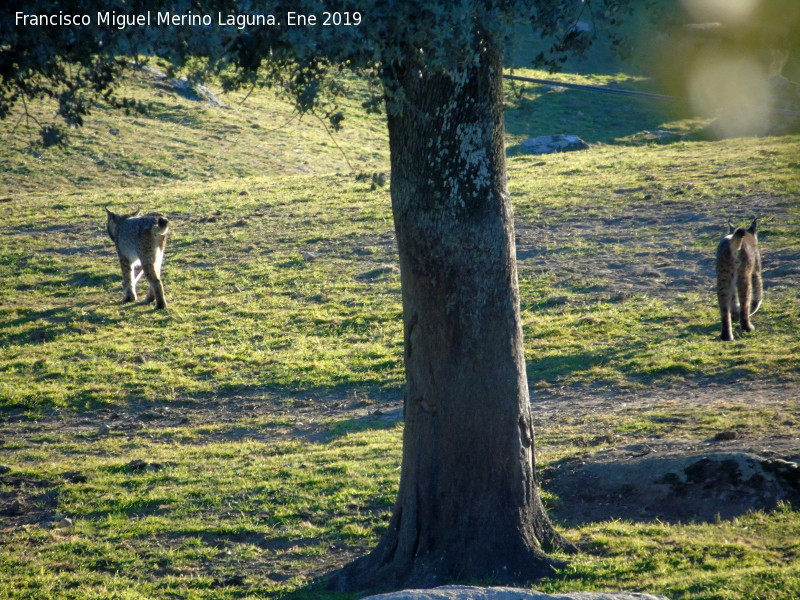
(140, 242)
(738, 272)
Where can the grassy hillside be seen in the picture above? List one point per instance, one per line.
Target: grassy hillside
(247, 439)
(182, 138)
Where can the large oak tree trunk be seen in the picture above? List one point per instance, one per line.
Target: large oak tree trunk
(468, 505)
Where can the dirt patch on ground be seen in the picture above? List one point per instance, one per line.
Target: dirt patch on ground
(665, 479)
(585, 401)
(675, 480)
(668, 481)
(650, 245)
(25, 499)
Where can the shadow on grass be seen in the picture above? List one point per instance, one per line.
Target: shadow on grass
(47, 325)
(536, 110)
(562, 366)
(594, 117)
(90, 278)
(376, 421)
(176, 113)
(318, 415)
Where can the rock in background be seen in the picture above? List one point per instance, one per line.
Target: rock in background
(548, 144)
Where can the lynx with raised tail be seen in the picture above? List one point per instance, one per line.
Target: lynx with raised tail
(140, 242)
(739, 284)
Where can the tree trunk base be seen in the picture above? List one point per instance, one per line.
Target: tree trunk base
(383, 570)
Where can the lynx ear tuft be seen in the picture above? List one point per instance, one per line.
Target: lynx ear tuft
(753, 225)
(731, 228)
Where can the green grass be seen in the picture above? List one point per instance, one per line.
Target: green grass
(236, 508)
(654, 206)
(266, 317)
(210, 512)
(577, 436)
(276, 319)
(748, 557)
(180, 139)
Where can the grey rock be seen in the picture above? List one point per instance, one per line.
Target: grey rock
(661, 135)
(183, 86)
(457, 592)
(62, 523)
(154, 72)
(547, 144)
(195, 91)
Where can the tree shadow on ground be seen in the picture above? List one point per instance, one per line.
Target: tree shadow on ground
(561, 366)
(257, 413)
(35, 326)
(90, 278)
(537, 110)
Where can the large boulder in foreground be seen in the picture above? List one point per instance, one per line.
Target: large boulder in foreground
(460, 592)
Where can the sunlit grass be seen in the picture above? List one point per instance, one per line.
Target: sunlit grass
(284, 286)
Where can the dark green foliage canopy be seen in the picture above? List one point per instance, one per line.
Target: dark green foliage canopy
(67, 52)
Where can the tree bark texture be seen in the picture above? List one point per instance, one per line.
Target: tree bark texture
(468, 506)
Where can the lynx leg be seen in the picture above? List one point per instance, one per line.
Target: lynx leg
(151, 293)
(156, 287)
(129, 279)
(745, 297)
(725, 298)
(725, 314)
